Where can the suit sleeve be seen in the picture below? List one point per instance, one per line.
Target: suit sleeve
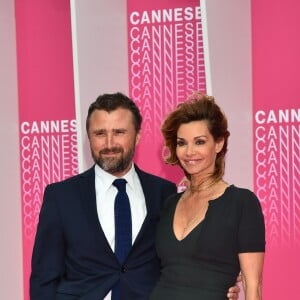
(171, 190)
(48, 251)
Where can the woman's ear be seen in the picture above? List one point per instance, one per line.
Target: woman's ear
(219, 145)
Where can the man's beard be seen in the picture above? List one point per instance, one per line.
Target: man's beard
(114, 165)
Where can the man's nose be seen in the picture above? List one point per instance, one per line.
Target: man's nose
(109, 141)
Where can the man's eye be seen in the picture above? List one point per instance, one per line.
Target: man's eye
(119, 132)
(99, 133)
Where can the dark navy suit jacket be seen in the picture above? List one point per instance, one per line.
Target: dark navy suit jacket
(72, 258)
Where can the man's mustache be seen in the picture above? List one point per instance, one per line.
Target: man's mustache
(112, 150)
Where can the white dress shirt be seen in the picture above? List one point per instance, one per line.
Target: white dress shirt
(105, 199)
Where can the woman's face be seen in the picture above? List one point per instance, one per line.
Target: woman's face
(196, 148)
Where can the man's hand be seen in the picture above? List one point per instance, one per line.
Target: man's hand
(233, 292)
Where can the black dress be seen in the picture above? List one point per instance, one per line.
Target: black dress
(205, 263)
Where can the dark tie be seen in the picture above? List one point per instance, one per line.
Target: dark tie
(123, 228)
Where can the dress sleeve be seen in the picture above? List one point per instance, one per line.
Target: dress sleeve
(251, 234)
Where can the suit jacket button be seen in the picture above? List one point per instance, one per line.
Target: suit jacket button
(123, 270)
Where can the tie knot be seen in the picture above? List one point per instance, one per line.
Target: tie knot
(120, 184)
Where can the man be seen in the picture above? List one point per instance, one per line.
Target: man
(74, 253)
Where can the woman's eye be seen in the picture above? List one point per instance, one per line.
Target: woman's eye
(200, 142)
(180, 143)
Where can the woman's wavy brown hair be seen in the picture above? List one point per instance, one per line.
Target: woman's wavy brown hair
(198, 107)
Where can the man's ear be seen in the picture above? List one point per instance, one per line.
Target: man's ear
(138, 137)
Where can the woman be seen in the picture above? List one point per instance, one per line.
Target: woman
(213, 230)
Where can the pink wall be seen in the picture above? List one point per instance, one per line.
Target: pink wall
(46, 92)
(48, 147)
(165, 65)
(276, 105)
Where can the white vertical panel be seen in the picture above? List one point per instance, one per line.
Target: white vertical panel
(228, 30)
(11, 282)
(206, 48)
(100, 58)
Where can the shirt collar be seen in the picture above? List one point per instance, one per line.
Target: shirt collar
(107, 179)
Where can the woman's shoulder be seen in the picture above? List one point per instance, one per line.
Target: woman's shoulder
(240, 190)
(243, 195)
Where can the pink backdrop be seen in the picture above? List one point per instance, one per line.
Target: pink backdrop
(276, 103)
(166, 64)
(48, 144)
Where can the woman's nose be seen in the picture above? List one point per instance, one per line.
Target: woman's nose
(190, 150)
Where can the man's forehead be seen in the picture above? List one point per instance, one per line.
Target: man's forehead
(117, 113)
(106, 129)
(111, 122)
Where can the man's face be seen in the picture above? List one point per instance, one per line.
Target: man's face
(113, 138)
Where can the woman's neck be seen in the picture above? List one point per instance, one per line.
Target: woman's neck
(202, 184)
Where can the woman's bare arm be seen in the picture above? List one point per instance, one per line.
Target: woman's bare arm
(251, 268)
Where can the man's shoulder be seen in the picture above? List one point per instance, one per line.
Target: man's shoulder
(90, 173)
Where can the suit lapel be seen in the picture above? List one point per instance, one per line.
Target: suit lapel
(88, 200)
(148, 191)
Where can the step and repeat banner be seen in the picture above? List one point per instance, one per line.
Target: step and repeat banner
(48, 140)
(276, 132)
(165, 64)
